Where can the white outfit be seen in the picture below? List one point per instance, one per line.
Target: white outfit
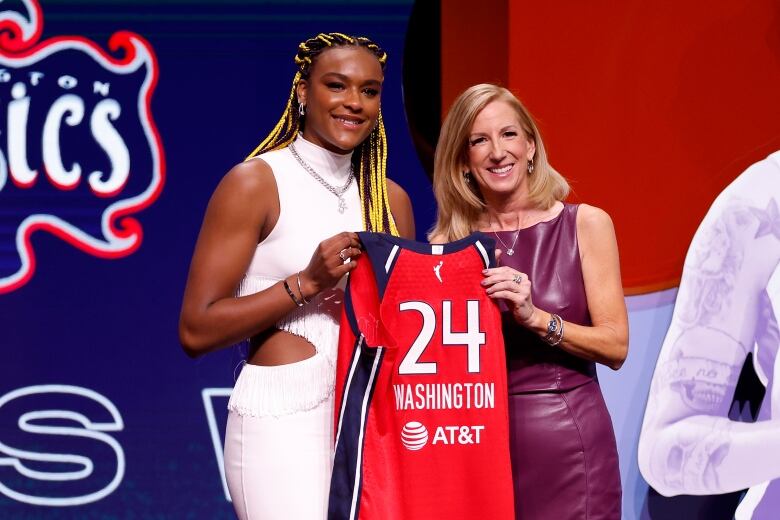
(279, 439)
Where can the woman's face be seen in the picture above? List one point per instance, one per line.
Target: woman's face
(498, 150)
(342, 97)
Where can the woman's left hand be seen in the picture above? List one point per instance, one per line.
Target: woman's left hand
(514, 287)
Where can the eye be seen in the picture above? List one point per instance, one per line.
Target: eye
(477, 140)
(371, 92)
(510, 133)
(335, 85)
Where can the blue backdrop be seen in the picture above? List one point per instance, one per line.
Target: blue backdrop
(101, 413)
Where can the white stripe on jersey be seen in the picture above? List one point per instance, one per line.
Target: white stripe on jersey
(483, 253)
(355, 360)
(390, 258)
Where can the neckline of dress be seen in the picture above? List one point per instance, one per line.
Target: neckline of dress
(548, 221)
(329, 165)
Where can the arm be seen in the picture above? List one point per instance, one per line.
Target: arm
(401, 208)
(688, 444)
(242, 211)
(606, 341)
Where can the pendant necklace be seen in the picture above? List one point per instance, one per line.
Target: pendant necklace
(338, 191)
(510, 250)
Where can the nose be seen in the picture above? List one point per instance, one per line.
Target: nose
(497, 152)
(353, 100)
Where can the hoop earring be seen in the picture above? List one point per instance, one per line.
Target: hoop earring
(530, 166)
(467, 177)
(301, 109)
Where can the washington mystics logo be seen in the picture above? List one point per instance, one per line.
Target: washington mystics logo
(79, 151)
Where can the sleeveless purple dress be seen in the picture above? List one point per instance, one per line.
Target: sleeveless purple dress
(564, 457)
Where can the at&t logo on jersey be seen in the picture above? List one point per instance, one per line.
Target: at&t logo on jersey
(414, 435)
(79, 151)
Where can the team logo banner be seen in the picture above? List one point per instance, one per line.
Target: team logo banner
(79, 150)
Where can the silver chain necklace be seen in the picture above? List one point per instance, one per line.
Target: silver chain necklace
(510, 250)
(338, 191)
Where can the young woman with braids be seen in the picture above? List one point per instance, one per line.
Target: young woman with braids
(277, 239)
(559, 282)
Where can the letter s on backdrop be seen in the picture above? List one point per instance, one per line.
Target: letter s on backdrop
(50, 427)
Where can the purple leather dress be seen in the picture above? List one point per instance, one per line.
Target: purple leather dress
(564, 457)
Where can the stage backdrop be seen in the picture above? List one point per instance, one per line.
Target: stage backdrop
(119, 118)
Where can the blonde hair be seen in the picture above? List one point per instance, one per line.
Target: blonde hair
(369, 157)
(460, 203)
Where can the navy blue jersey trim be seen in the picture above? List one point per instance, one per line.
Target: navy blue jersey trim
(349, 309)
(425, 248)
(380, 352)
(347, 479)
(347, 381)
(383, 250)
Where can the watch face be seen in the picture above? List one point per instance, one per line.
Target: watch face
(552, 326)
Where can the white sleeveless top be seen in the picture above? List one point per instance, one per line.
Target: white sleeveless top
(308, 214)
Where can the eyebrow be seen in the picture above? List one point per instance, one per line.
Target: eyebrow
(342, 77)
(503, 129)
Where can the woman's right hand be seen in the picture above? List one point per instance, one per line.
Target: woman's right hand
(332, 259)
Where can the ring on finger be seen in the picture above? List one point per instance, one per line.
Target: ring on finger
(517, 278)
(342, 256)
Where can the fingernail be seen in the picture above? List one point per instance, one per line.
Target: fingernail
(484, 271)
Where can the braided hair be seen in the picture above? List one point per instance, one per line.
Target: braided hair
(369, 158)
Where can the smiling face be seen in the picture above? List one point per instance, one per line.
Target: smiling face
(498, 150)
(341, 95)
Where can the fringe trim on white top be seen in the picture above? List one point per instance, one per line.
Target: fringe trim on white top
(296, 387)
(284, 389)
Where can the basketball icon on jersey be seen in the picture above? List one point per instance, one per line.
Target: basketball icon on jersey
(437, 270)
(414, 436)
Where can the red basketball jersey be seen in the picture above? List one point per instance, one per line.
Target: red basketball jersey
(422, 428)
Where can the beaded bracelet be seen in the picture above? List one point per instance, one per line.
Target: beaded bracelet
(295, 299)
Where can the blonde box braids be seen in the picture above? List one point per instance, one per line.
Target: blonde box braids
(369, 158)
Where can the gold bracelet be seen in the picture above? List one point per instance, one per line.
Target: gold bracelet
(298, 279)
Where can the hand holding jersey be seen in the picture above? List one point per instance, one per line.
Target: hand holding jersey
(332, 259)
(512, 286)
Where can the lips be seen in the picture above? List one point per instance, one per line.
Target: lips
(500, 170)
(349, 121)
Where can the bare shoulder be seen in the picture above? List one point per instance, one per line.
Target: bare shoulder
(595, 231)
(397, 194)
(245, 197)
(593, 219)
(401, 207)
(252, 179)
